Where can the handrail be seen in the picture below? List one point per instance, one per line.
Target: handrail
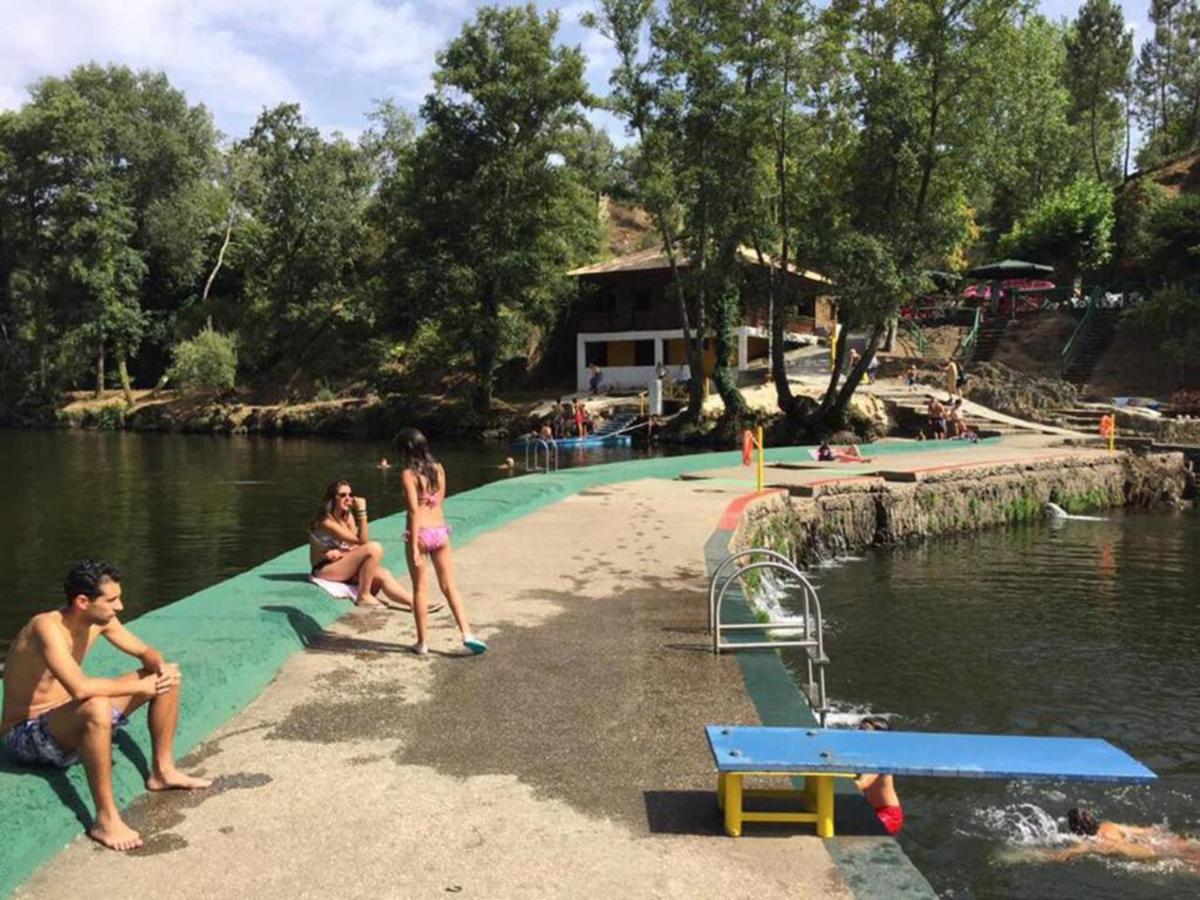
(915, 330)
(1069, 349)
(712, 585)
(810, 625)
(532, 445)
(804, 624)
(973, 334)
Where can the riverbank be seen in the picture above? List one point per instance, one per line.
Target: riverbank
(364, 771)
(813, 521)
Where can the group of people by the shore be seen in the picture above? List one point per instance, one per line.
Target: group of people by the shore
(570, 419)
(55, 715)
(945, 417)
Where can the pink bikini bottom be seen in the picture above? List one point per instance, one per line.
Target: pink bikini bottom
(430, 539)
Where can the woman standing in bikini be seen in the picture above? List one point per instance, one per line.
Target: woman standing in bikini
(340, 548)
(428, 535)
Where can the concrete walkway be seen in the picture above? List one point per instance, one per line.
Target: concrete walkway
(568, 761)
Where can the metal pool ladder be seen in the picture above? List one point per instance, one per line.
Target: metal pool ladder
(810, 625)
(551, 455)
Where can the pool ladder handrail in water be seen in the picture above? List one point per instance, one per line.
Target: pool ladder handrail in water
(551, 449)
(811, 625)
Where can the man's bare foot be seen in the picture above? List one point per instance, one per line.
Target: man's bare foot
(115, 835)
(174, 780)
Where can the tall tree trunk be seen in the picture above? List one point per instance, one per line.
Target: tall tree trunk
(485, 348)
(854, 376)
(1095, 148)
(123, 373)
(100, 370)
(725, 307)
(1128, 132)
(778, 307)
(780, 294)
(217, 266)
(818, 416)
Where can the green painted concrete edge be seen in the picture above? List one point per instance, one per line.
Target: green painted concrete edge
(232, 638)
(872, 863)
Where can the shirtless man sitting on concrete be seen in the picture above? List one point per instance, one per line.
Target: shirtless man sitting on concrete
(54, 714)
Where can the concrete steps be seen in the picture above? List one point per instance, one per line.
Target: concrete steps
(910, 410)
(991, 334)
(1092, 345)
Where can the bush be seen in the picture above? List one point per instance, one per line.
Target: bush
(1171, 317)
(110, 417)
(206, 362)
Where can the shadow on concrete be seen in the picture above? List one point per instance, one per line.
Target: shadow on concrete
(132, 751)
(59, 783)
(682, 812)
(690, 648)
(317, 639)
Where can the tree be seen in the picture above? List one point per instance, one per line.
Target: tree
(1167, 82)
(1099, 53)
(1028, 147)
(495, 223)
(635, 98)
(1170, 238)
(102, 168)
(901, 203)
(1072, 227)
(1172, 317)
(297, 260)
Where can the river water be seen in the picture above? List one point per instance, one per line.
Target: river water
(1088, 629)
(178, 513)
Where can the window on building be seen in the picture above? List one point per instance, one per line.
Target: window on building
(643, 353)
(595, 352)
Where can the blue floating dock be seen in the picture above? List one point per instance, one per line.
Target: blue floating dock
(761, 749)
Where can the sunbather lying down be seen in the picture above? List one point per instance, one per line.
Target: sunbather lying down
(826, 453)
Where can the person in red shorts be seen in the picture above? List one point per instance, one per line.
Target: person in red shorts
(880, 790)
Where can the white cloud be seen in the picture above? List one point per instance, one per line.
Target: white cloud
(334, 57)
(236, 56)
(209, 62)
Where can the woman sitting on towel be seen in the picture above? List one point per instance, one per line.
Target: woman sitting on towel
(340, 549)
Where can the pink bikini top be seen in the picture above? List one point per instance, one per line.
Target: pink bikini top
(431, 500)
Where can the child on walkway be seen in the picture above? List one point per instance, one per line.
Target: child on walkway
(428, 535)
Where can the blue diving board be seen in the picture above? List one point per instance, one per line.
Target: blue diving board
(821, 754)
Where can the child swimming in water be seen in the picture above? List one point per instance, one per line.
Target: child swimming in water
(428, 535)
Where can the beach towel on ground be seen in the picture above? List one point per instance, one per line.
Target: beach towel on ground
(338, 589)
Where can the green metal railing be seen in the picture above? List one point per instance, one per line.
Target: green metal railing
(1072, 345)
(915, 330)
(973, 334)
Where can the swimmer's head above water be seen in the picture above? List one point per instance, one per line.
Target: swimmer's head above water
(874, 723)
(1082, 821)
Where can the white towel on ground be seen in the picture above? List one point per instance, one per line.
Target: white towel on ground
(338, 589)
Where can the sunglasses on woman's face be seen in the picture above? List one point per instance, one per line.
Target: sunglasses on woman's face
(344, 494)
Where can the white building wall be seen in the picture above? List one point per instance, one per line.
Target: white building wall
(638, 378)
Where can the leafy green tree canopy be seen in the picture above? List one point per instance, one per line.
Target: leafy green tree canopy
(1071, 228)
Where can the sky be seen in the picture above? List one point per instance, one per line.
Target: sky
(333, 57)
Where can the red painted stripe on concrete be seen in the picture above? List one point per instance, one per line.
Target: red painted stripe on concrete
(733, 512)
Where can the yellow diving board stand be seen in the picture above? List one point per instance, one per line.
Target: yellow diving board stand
(820, 755)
